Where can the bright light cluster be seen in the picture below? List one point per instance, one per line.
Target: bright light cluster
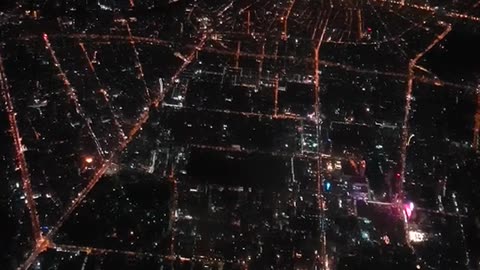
(416, 236)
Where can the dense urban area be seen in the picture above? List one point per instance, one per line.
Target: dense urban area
(240, 134)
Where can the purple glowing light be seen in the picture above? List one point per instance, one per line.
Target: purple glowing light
(408, 209)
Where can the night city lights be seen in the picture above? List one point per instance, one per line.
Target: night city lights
(240, 134)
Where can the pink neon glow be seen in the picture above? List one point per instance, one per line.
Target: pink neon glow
(408, 208)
